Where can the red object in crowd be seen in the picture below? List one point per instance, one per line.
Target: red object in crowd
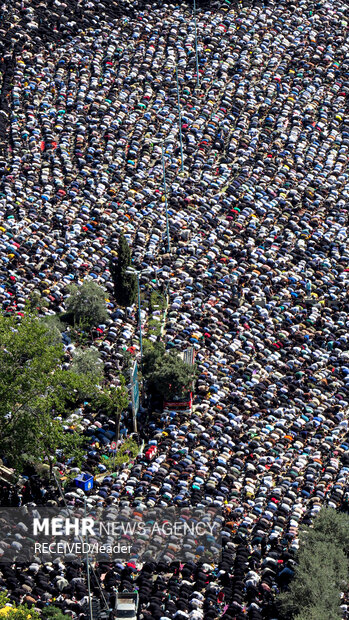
(150, 453)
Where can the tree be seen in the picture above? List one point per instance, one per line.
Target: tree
(34, 390)
(152, 353)
(39, 437)
(125, 284)
(53, 613)
(322, 571)
(11, 612)
(54, 322)
(51, 438)
(126, 364)
(86, 305)
(113, 402)
(87, 362)
(330, 525)
(36, 302)
(55, 327)
(167, 374)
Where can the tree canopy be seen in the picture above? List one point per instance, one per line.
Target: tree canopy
(125, 284)
(86, 304)
(35, 392)
(152, 354)
(322, 572)
(87, 362)
(113, 402)
(166, 373)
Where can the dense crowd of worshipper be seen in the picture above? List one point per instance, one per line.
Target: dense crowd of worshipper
(256, 277)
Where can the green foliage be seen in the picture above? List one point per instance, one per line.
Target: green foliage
(80, 337)
(53, 613)
(113, 399)
(86, 362)
(113, 402)
(128, 451)
(167, 373)
(52, 437)
(330, 525)
(322, 571)
(36, 302)
(157, 301)
(152, 353)
(317, 582)
(154, 327)
(33, 386)
(54, 321)
(22, 612)
(317, 613)
(54, 327)
(68, 478)
(86, 305)
(172, 377)
(125, 284)
(126, 364)
(4, 599)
